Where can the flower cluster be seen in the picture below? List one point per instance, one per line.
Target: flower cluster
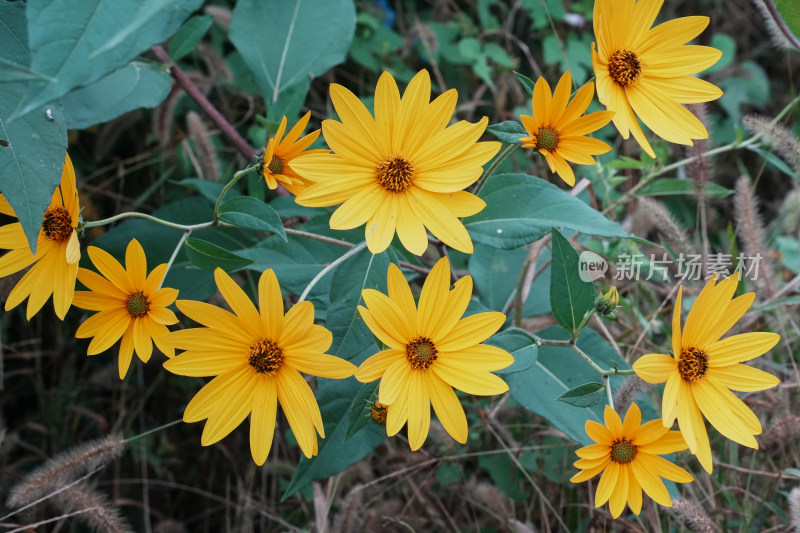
(403, 170)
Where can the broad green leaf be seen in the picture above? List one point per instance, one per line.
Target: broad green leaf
(285, 42)
(209, 256)
(509, 131)
(520, 345)
(585, 395)
(790, 12)
(559, 369)
(673, 186)
(334, 397)
(521, 209)
(570, 297)
(361, 408)
(31, 149)
(11, 72)
(133, 86)
(249, 212)
(527, 83)
(187, 37)
(94, 39)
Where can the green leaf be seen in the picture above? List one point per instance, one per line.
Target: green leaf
(559, 369)
(31, 149)
(509, 131)
(674, 186)
(585, 395)
(521, 209)
(527, 83)
(790, 12)
(209, 256)
(725, 44)
(11, 72)
(520, 345)
(133, 86)
(249, 212)
(361, 408)
(286, 42)
(100, 38)
(570, 297)
(187, 37)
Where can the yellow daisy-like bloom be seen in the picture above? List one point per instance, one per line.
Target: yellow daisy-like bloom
(280, 153)
(255, 356)
(130, 304)
(55, 264)
(647, 71)
(402, 170)
(627, 453)
(431, 350)
(704, 369)
(557, 128)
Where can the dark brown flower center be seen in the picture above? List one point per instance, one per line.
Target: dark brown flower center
(421, 353)
(266, 357)
(623, 451)
(395, 174)
(547, 139)
(692, 364)
(137, 305)
(57, 224)
(275, 166)
(379, 412)
(624, 67)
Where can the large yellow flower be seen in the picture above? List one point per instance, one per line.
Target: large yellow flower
(256, 356)
(627, 453)
(55, 264)
(648, 71)
(130, 305)
(402, 170)
(431, 350)
(281, 151)
(557, 128)
(703, 369)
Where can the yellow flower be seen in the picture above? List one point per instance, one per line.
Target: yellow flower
(557, 128)
(402, 170)
(55, 264)
(278, 156)
(256, 356)
(703, 369)
(431, 350)
(648, 71)
(628, 456)
(130, 305)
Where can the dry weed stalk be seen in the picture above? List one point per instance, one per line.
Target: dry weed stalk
(693, 516)
(665, 223)
(782, 140)
(101, 515)
(777, 29)
(350, 518)
(65, 467)
(626, 394)
(751, 233)
(204, 148)
(794, 509)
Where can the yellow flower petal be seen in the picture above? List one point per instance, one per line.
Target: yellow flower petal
(447, 407)
(262, 420)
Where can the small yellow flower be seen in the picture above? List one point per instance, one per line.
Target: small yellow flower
(281, 151)
(130, 305)
(627, 453)
(55, 264)
(557, 128)
(256, 356)
(648, 71)
(402, 170)
(703, 369)
(431, 350)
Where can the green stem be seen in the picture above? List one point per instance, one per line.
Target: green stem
(496, 163)
(574, 347)
(351, 252)
(607, 385)
(135, 214)
(175, 254)
(155, 429)
(228, 186)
